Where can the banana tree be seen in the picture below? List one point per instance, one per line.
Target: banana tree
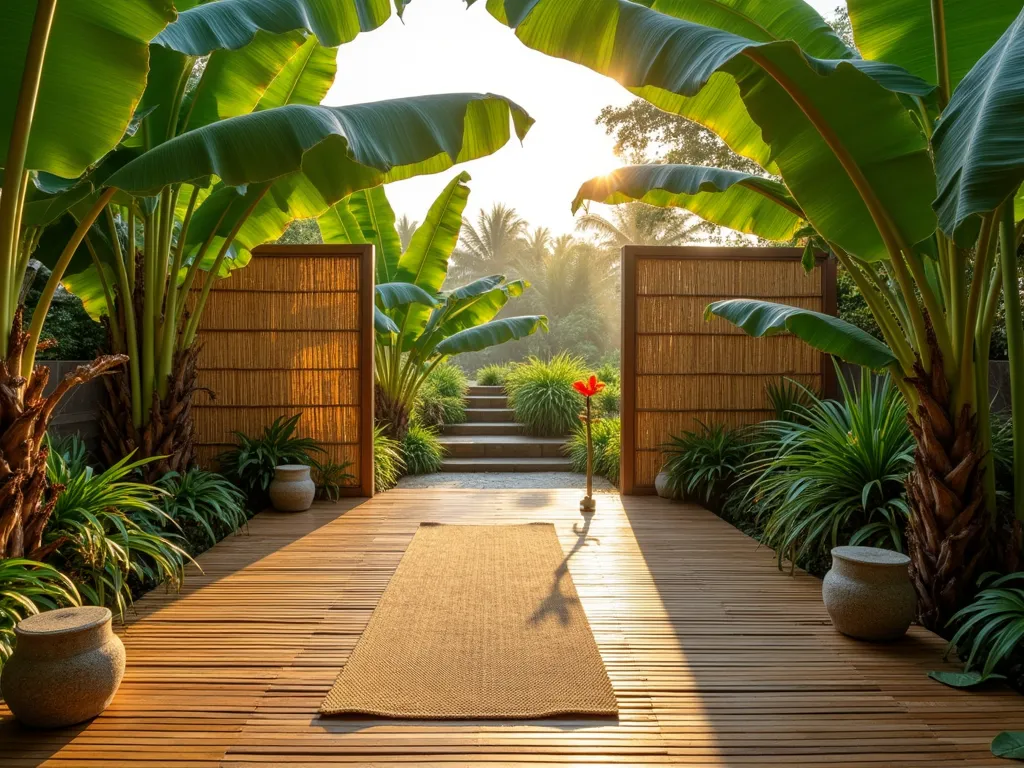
(230, 145)
(904, 163)
(417, 325)
(70, 77)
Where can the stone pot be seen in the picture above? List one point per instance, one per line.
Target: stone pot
(66, 667)
(292, 489)
(868, 593)
(663, 487)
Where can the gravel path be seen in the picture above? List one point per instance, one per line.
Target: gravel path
(503, 480)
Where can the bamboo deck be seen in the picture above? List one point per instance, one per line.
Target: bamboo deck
(716, 657)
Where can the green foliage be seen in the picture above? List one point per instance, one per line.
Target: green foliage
(204, 506)
(990, 634)
(605, 435)
(250, 465)
(421, 450)
(448, 380)
(493, 375)
(26, 588)
(703, 464)
(1009, 745)
(330, 477)
(78, 336)
(787, 398)
(606, 402)
(441, 398)
(105, 528)
(541, 394)
(388, 464)
(835, 474)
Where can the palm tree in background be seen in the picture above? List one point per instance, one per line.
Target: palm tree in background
(570, 271)
(640, 224)
(491, 247)
(405, 229)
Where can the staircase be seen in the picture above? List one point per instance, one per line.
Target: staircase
(492, 441)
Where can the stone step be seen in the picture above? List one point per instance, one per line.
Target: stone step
(506, 465)
(486, 390)
(477, 415)
(484, 428)
(502, 447)
(486, 401)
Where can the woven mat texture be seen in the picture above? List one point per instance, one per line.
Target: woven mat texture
(478, 621)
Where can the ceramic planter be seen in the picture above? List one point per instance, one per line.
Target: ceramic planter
(292, 489)
(868, 593)
(66, 667)
(663, 487)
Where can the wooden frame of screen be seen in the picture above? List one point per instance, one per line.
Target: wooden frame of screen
(630, 255)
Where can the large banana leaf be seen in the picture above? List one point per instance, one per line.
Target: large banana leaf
(376, 219)
(93, 76)
(338, 225)
(425, 261)
(718, 106)
(900, 32)
(232, 24)
(823, 332)
(491, 334)
(740, 201)
(466, 307)
(305, 79)
(391, 295)
(339, 149)
(979, 145)
(234, 82)
(803, 106)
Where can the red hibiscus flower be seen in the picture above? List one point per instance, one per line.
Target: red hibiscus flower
(588, 388)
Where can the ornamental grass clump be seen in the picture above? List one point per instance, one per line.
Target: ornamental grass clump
(606, 440)
(442, 398)
(388, 464)
(493, 375)
(834, 475)
(421, 450)
(541, 394)
(703, 464)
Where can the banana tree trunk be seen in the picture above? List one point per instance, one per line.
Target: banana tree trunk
(951, 537)
(25, 415)
(169, 431)
(391, 414)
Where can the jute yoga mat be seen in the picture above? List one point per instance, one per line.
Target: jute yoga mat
(479, 621)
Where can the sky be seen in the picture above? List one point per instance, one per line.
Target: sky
(444, 48)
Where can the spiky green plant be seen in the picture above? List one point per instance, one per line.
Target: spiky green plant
(702, 464)
(607, 401)
(388, 464)
(105, 527)
(205, 505)
(542, 396)
(836, 474)
(250, 464)
(991, 628)
(422, 450)
(330, 477)
(605, 434)
(493, 375)
(786, 397)
(441, 399)
(28, 587)
(448, 380)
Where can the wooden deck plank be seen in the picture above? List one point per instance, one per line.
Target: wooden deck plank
(716, 657)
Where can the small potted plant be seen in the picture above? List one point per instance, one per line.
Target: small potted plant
(588, 389)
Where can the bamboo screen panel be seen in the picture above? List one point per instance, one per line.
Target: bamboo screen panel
(678, 369)
(291, 333)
